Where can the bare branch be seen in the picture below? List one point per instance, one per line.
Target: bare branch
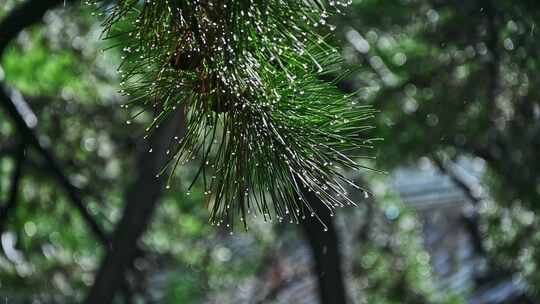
(26, 121)
(22, 17)
(462, 185)
(472, 219)
(14, 187)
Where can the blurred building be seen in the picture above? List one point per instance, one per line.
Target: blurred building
(442, 205)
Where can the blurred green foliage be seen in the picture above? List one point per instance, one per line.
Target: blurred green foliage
(451, 79)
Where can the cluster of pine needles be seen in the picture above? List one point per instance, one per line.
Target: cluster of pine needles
(260, 120)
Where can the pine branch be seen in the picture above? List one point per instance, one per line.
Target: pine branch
(261, 122)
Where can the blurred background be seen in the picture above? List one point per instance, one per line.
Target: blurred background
(453, 221)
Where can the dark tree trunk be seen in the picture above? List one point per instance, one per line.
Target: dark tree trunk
(326, 254)
(141, 202)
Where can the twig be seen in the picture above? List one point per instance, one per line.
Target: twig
(462, 185)
(471, 219)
